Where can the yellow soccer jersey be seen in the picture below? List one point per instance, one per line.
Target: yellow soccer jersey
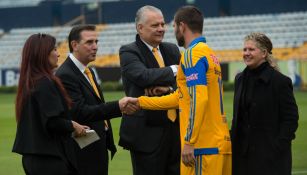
(200, 100)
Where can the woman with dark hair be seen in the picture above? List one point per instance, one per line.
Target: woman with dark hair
(265, 113)
(44, 127)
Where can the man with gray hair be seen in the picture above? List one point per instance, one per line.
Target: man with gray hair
(149, 67)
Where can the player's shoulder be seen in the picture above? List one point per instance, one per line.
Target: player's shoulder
(201, 49)
(203, 46)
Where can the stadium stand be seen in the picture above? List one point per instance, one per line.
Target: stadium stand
(93, 1)
(18, 3)
(288, 32)
(11, 43)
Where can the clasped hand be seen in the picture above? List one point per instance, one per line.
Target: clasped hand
(129, 105)
(157, 91)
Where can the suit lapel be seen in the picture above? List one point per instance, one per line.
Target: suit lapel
(81, 77)
(150, 60)
(97, 85)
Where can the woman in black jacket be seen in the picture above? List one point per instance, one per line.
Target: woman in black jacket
(265, 113)
(44, 127)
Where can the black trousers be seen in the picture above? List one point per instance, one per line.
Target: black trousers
(47, 165)
(93, 159)
(258, 160)
(165, 160)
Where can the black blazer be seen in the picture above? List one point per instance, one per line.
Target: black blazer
(273, 120)
(45, 125)
(89, 109)
(143, 131)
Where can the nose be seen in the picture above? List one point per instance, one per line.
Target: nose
(57, 53)
(95, 46)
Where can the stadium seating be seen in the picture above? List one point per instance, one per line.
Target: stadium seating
(288, 32)
(224, 34)
(11, 43)
(18, 3)
(92, 1)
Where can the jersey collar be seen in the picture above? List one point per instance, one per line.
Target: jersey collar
(197, 40)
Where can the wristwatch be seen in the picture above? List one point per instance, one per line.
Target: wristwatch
(170, 89)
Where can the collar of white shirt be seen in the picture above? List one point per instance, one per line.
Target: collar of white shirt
(79, 65)
(173, 67)
(150, 47)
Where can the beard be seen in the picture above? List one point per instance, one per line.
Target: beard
(180, 38)
(180, 41)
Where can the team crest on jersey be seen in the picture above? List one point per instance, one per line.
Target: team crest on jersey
(192, 77)
(215, 59)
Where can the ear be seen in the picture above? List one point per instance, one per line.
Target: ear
(74, 45)
(139, 28)
(182, 27)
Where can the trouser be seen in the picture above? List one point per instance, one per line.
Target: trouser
(216, 164)
(47, 165)
(165, 160)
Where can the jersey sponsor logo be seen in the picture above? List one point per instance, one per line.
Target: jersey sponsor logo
(217, 72)
(192, 77)
(215, 59)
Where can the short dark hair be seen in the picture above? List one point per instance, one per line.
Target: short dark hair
(74, 34)
(191, 16)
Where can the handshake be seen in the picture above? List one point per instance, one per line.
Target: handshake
(129, 105)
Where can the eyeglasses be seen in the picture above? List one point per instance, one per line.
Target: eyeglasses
(41, 35)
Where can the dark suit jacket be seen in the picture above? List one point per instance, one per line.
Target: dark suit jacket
(43, 109)
(90, 110)
(143, 131)
(273, 120)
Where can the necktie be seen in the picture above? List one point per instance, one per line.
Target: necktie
(90, 77)
(171, 114)
(157, 57)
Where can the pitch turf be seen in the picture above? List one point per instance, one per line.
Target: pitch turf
(10, 163)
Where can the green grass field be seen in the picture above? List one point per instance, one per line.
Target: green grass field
(10, 163)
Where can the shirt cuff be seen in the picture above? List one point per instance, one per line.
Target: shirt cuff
(174, 69)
